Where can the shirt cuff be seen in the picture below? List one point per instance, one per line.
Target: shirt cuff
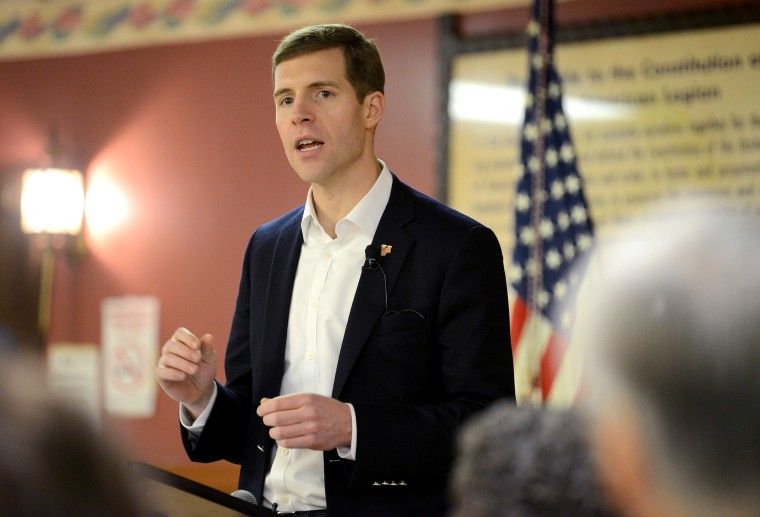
(345, 452)
(197, 426)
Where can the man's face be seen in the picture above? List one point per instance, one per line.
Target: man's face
(324, 129)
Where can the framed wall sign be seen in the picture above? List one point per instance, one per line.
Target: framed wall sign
(657, 111)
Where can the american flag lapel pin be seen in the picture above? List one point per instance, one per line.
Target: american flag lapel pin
(385, 249)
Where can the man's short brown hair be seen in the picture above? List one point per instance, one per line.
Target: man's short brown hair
(364, 68)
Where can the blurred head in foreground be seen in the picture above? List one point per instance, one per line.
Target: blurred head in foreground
(525, 462)
(674, 342)
(52, 460)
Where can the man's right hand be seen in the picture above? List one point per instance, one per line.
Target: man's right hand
(187, 368)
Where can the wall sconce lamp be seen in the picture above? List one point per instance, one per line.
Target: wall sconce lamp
(52, 206)
(52, 201)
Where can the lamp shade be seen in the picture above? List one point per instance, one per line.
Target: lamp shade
(52, 201)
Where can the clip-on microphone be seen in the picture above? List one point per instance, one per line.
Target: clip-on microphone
(372, 263)
(371, 255)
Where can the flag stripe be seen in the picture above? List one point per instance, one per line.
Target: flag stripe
(530, 348)
(550, 362)
(519, 316)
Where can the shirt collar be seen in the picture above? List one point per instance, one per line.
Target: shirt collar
(365, 215)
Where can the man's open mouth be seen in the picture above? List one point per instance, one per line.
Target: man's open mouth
(308, 145)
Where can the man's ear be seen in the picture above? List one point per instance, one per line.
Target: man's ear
(375, 107)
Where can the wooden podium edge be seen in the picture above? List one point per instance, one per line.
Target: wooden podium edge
(205, 492)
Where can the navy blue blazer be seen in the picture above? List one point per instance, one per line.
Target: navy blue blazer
(412, 376)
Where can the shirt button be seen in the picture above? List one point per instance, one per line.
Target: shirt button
(284, 451)
(284, 500)
(310, 355)
(314, 303)
(328, 255)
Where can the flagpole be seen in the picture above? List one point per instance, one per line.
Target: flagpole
(537, 195)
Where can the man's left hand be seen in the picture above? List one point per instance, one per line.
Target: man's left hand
(307, 421)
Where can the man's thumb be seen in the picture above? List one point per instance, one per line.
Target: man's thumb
(208, 353)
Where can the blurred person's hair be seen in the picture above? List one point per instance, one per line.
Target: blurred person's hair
(675, 336)
(522, 461)
(53, 461)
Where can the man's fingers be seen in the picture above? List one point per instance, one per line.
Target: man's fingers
(176, 362)
(283, 417)
(182, 355)
(164, 373)
(182, 344)
(206, 347)
(289, 409)
(186, 345)
(290, 432)
(184, 336)
(283, 403)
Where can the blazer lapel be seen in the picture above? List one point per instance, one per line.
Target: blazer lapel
(370, 298)
(287, 251)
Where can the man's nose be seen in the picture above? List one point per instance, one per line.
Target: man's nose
(301, 112)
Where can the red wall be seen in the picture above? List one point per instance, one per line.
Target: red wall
(186, 133)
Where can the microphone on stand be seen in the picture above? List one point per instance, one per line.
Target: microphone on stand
(246, 496)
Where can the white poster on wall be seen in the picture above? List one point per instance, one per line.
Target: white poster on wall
(130, 326)
(74, 376)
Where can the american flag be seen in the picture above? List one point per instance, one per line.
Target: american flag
(553, 229)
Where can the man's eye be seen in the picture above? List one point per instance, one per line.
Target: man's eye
(286, 101)
(325, 94)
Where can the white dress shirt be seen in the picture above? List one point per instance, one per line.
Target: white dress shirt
(323, 292)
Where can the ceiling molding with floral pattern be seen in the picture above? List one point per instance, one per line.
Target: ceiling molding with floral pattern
(40, 28)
